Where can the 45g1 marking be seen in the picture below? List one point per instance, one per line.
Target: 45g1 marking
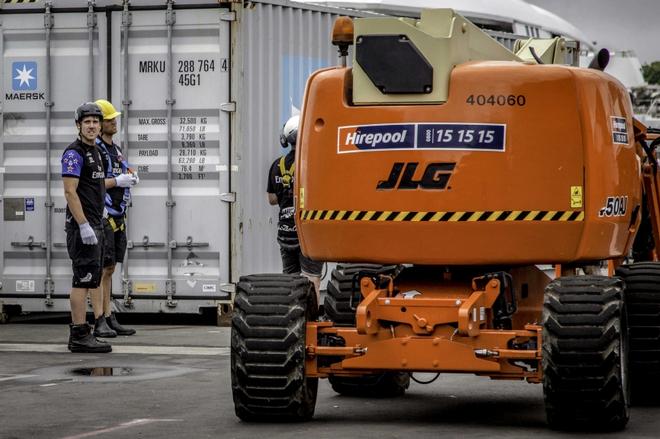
(614, 206)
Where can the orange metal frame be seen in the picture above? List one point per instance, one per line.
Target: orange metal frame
(424, 334)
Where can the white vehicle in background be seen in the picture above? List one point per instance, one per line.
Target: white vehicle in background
(513, 18)
(509, 20)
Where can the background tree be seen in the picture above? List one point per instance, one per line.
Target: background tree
(651, 72)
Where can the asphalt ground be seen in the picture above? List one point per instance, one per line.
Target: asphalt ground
(173, 381)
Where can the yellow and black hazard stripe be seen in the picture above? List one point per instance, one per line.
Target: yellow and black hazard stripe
(19, 1)
(497, 215)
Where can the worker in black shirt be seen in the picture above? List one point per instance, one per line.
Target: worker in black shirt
(280, 191)
(84, 189)
(118, 181)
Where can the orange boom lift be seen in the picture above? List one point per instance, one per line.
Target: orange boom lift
(483, 203)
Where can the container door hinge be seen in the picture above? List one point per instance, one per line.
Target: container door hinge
(228, 16)
(228, 197)
(228, 288)
(228, 107)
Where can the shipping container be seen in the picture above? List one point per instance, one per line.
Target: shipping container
(204, 88)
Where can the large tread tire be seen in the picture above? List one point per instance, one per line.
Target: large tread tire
(585, 345)
(337, 307)
(337, 304)
(642, 294)
(268, 348)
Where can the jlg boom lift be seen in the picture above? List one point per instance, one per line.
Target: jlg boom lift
(443, 169)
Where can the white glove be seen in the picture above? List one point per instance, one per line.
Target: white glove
(136, 179)
(124, 180)
(87, 234)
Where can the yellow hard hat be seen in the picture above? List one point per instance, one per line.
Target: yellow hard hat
(108, 110)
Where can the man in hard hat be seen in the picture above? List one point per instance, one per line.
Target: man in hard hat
(84, 189)
(280, 191)
(119, 180)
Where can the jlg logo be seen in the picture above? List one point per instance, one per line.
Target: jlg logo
(436, 176)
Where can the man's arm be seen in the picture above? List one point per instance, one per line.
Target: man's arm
(110, 182)
(72, 199)
(272, 199)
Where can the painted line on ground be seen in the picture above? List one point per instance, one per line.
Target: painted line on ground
(16, 377)
(122, 426)
(119, 349)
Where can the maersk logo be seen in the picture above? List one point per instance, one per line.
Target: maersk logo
(24, 75)
(24, 82)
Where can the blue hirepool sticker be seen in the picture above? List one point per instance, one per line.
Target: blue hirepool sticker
(446, 136)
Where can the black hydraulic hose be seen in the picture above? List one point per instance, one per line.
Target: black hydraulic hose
(412, 377)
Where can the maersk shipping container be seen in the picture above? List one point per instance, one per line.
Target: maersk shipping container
(203, 87)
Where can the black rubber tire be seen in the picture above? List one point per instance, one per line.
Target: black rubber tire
(268, 348)
(337, 304)
(585, 354)
(337, 308)
(642, 295)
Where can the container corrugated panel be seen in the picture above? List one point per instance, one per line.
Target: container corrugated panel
(288, 41)
(26, 73)
(193, 83)
(217, 105)
(178, 226)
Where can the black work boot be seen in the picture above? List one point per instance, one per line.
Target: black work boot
(82, 340)
(119, 329)
(101, 328)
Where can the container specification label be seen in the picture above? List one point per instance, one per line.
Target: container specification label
(446, 136)
(189, 72)
(189, 159)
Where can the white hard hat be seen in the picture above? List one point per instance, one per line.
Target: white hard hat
(290, 131)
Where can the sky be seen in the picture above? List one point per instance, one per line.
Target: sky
(614, 24)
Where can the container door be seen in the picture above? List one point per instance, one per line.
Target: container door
(170, 73)
(46, 72)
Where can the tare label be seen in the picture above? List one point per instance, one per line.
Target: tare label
(448, 136)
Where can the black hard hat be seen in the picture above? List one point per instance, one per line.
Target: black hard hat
(88, 109)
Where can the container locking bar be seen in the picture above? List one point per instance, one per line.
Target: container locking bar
(30, 244)
(126, 21)
(189, 243)
(49, 284)
(144, 244)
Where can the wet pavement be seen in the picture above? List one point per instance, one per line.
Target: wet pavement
(172, 381)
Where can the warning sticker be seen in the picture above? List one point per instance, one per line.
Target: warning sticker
(144, 287)
(619, 130)
(209, 288)
(25, 286)
(576, 197)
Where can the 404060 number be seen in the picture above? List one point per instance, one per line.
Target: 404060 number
(497, 100)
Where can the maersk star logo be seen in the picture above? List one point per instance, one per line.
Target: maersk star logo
(24, 75)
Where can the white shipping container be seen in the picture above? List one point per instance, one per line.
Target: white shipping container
(203, 87)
